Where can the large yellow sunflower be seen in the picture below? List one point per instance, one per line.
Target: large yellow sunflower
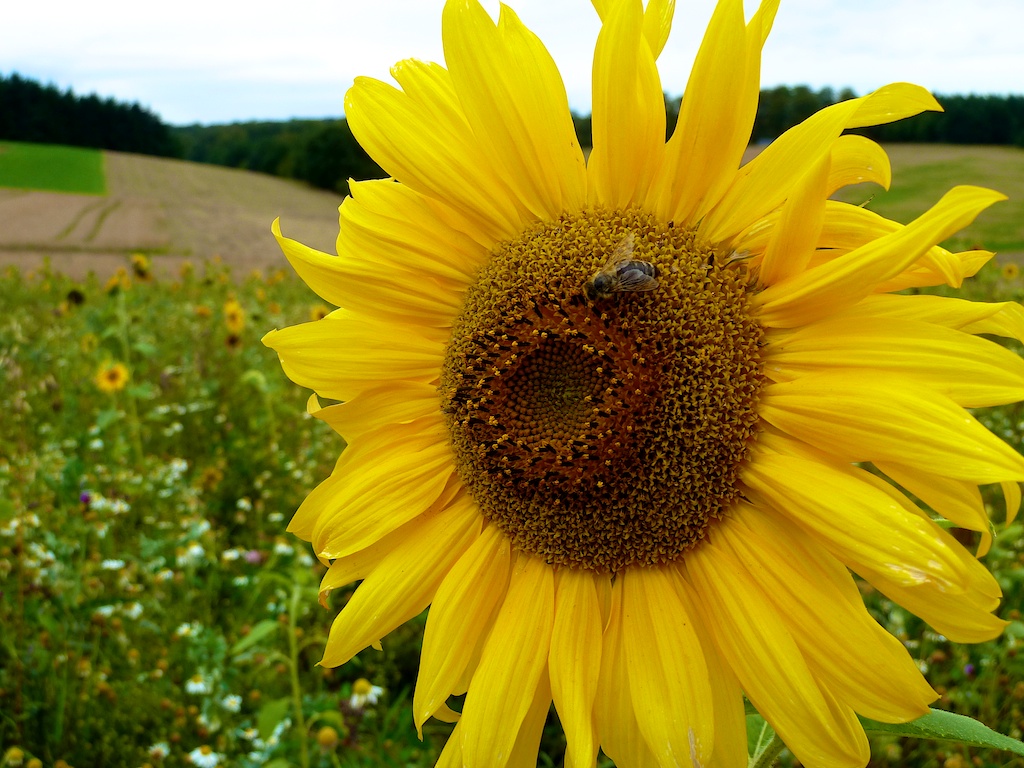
(624, 423)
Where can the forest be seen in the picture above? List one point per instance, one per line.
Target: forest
(325, 154)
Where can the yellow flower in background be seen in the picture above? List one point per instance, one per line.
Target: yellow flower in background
(1011, 270)
(112, 377)
(319, 311)
(120, 280)
(141, 267)
(612, 419)
(234, 316)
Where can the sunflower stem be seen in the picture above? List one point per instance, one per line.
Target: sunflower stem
(769, 754)
(293, 653)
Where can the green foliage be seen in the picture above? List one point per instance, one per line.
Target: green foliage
(150, 599)
(52, 168)
(33, 112)
(321, 152)
(971, 119)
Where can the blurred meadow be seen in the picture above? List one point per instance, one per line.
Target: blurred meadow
(153, 611)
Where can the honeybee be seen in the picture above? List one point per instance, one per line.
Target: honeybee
(621, 273)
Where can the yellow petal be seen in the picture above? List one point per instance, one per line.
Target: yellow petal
(370, 453)
(1000, 319)
(729, 713)
(514, 659)
(370, 497)
(389, 223)
(893, 102)
(359, 565)
(958, 501)
(332, 356)
(628, 115)
(716, 116)
(397, 294)
(516, 106)
(859, 417)
(752, 637)
(847, 227)
(795, 239)
(962, 621)
(1012, 495)
(460, 617)
(939, 266)
(451, 755)
(524, 753)
(762, 184)
(658, 23)
(814, 594)
(857, 160)
(399, 402)
(616, 719)
(575, 662)
(422, 138)
(841, 282)
(403, 584)
(875, 532)
(668, 679)
(971, 371)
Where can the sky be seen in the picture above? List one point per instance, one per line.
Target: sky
(213, 61)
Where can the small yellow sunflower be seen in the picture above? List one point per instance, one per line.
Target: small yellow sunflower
(234, 316)
(112, 377)
(1011, 271)
(624, 423)
(141, 267)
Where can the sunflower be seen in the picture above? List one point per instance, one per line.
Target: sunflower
(234, 316)
(627, 423)
(112, 377)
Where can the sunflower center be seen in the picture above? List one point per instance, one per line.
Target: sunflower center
(600, 388)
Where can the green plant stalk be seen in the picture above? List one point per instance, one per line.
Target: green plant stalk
(134, 426)
(293, 654)
(767, 756)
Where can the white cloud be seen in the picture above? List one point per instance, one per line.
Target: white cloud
(214, 61)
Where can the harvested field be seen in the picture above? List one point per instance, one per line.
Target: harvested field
(176, 211)
(171, 210)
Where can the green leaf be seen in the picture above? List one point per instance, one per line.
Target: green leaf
(145, 349)
(106, 417)
(259, 632)
(947, 726)
(271, 713)
(143, 391)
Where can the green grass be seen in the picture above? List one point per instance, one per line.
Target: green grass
(143, 544)
(922, 173)
(52, 168)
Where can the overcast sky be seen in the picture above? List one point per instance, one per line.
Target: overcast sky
(212, 61)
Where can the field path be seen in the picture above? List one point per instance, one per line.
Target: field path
(173, 211)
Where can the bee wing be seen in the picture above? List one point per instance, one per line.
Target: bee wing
(623, 251)
(636, 280)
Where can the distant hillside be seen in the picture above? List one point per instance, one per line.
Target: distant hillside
(174, 211)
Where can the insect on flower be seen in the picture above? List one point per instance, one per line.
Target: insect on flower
(621, 273)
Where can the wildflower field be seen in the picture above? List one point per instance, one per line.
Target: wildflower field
(154, 611)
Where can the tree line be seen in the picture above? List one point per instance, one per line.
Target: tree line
(44, 114)
(325, 154)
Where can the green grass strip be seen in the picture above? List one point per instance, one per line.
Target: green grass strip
(52, 168)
